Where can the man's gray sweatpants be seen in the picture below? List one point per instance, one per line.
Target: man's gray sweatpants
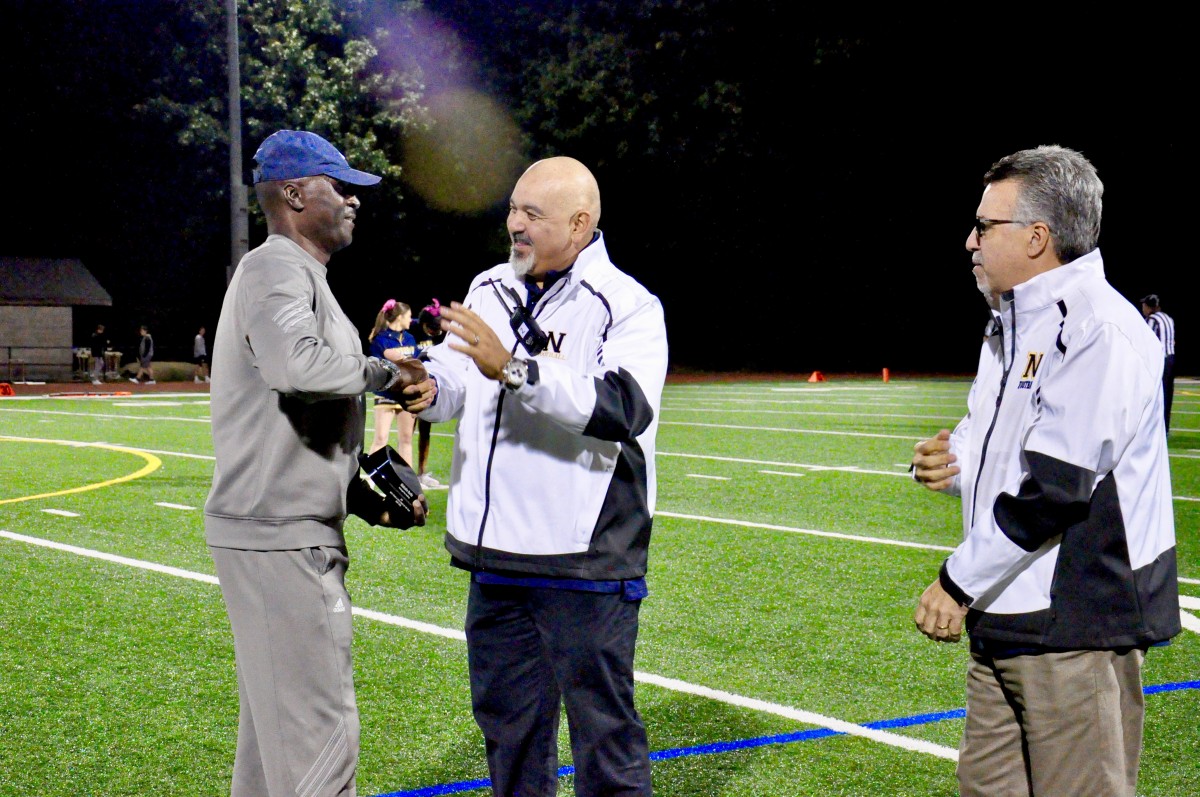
(298, 730)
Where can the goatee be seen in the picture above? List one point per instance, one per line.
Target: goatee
(521, 265)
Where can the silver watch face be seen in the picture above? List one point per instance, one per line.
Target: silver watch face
(515, 373)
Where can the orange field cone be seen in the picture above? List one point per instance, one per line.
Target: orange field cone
(886, 375)
(817, 376)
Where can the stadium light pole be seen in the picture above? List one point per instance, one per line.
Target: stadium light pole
(238, 201)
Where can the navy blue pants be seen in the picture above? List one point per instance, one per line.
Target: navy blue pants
(531, 649)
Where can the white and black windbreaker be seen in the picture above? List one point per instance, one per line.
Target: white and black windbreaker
(1069, 536)
(557, 478)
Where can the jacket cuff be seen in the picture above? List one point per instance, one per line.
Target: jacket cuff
(952, 589)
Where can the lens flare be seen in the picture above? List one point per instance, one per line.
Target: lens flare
(468, 158)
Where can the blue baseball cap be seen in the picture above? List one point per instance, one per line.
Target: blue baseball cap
(288, 154)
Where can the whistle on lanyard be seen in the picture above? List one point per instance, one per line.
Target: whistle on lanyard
(522, 322)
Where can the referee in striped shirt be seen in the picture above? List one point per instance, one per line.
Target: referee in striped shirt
(1164, 327)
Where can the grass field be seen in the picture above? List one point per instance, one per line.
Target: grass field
(777, 655)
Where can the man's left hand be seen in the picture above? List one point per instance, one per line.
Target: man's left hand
(939, 616)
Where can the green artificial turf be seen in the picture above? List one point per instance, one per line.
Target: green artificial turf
(772, 583)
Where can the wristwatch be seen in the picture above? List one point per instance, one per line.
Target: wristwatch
(515, 373)
(394, 372)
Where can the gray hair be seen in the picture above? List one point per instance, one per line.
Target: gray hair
(1060, 187)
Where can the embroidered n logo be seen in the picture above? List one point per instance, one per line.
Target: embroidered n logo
(1032, 364)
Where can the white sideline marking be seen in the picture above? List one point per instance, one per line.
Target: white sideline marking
(952, 419)
(60, 512)
(771, 526)
(108, 557)
(747, 461)
(1188, 602)
(808, 717)
(105, 415)
(706, 476)
(931, 419)
(781, 473)
(147, 404)
(415, 625)
(1189, 621)
(849, 728)
(1183, 580)
(169, 505)
(913, 438)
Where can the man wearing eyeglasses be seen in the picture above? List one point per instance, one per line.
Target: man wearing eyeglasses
(1066, 574)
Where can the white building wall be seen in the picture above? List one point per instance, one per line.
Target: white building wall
(35, 344)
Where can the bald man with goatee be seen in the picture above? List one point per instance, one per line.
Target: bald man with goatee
(554, 368)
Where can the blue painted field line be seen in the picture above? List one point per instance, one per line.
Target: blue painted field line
(746, 744)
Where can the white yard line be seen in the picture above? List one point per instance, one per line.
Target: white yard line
(820, 720)
(786, 430)
(932, 419)
(107, 416)
(795, 530)
(787, 712)
(778, 464)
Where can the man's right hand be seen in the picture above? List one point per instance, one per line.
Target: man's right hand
(932, 462)
(420, 512)
(413, 388)
(410, 371)
(415, 397)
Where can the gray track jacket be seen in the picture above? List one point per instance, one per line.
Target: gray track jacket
(288, 378)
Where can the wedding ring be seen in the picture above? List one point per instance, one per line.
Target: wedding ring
(943, 628)
(476, 340)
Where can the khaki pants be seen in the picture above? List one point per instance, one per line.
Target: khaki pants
(1053, 725)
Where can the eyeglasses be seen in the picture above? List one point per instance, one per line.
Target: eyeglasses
(983, 225)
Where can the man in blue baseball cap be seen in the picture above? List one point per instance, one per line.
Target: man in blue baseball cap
(288, 378)
(289, 154)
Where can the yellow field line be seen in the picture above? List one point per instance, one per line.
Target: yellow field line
(153, 463)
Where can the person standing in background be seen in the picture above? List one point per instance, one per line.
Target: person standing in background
(145, 356)
(1067, 572)
(390, 340)
(99, 344)
(1163, 327)
(426, 329)
(200, 357)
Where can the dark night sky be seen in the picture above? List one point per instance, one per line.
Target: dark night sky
(836, 245)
